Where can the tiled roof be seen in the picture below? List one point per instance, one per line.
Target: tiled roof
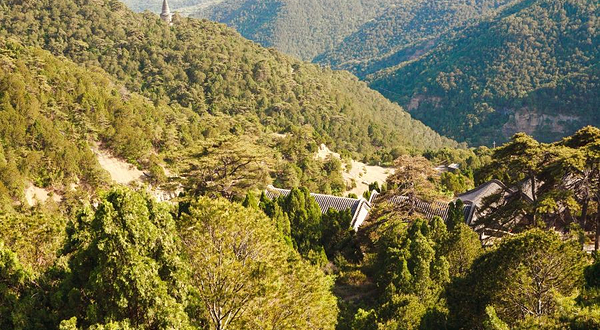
(476, 196)
(374, 195)
(430, 210)
(325, 202)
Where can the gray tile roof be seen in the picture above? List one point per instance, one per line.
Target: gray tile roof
(325, 202)
(430, 210)
(476, 196)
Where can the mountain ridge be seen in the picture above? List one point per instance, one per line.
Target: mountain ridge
(210, 69)
(537, 57)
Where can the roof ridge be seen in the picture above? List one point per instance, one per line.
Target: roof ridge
(483, 185)
(317, 194)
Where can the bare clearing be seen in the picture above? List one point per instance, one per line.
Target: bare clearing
(35, 195)
(359, 173)
(120, 171)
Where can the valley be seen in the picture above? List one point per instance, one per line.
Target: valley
(485, 59)
(319, 164)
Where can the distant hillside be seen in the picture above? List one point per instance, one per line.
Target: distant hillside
(532, 68)
(299, 28)
(403, 31)
(209, 68)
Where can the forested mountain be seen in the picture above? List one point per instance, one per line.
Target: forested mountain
(209, 68)
(533, 68)
(213, 118)
(402, 32)
(357, 35)
(300, 28)
(477, 71)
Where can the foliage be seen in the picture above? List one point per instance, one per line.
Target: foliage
(208, 68)
(246, 276)
(35, 236)
(13, 281)
(124, 265)
(461, 248)
(531, 60)
(456, 183)
(521, 278)
(414, 178)
(553, 185)
(337, 233)
(226, 166)
(492, 321)
(305, 221)
(302, 29)
(39, 142)
(409, 273)
(298, 147)
(402, 31)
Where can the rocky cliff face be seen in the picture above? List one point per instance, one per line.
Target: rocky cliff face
(535, 123)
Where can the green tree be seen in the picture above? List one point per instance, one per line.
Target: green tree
(520, 278)
(414, 178)
(337, 231)
(521, 159)
(14, 279)
(461, 248)
(273, 209)
(228, 167)
(492, 321)
(455, 182)
(250, 201)
(246, 276)
(456, 214)
(411, 274)
(124, 265)
(305, 220)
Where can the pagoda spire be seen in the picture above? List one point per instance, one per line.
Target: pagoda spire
(166, 15)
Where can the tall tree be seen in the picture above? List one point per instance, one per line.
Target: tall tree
(13, 281)
(518, 163)
(124, 265)
(246, 276)
(521, 278)
(305, 220)
(414, 177)
(228, 167)
(409, 272)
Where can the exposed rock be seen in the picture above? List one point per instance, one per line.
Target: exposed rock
(531, 122)
(35, 195)
(417, 100)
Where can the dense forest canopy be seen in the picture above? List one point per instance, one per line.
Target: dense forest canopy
(533, 68)
(300, 28)
(203, 262)
(217, 118)
(476, 71)
(210, 69)
(403, 32)
(56, 115)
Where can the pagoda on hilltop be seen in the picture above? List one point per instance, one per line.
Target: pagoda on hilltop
(166, 15)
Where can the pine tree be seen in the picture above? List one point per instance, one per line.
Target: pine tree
(245, 276)
(124, 265)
